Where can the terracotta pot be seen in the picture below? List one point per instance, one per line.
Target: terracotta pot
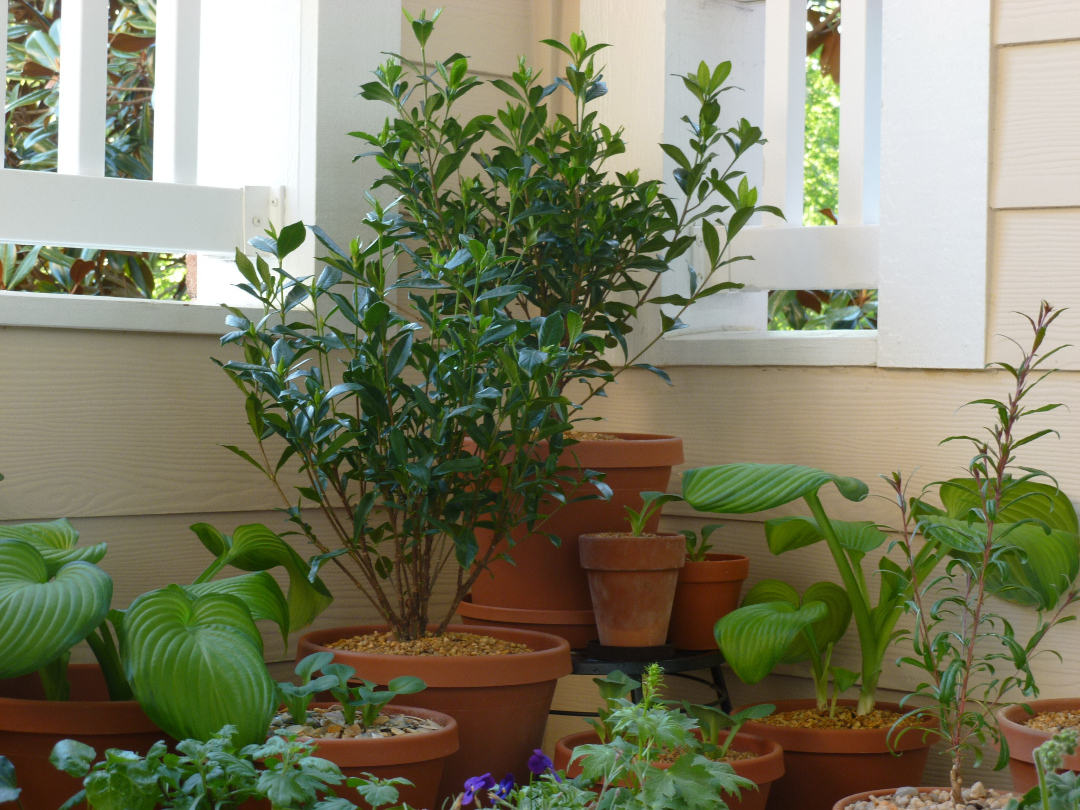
(632, 582)
(30, 726)
(1023, 740)
(500, 702)
(844, 803)
(416, 757)
(546, 577)
(707, 591)
(578, 627)
(824, 765)
(762, 770)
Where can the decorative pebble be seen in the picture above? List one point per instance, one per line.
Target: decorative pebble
(330, 724)
(977, 797)
(446, 644)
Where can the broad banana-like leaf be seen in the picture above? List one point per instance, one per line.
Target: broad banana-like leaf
(787, 533)
(1028, 499)
(258, 590)
(754, 638)
(56, 540)
(829, 629)
(43, 616)
(196, 664)
(255, 548)
(744, 488)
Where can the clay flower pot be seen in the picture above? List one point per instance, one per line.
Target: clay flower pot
(1023, 740)
(823, 765)
(417, 757)
(632, 582)
(500, 702)
(30, 726)
(866, 794)
(707, 591)
(546, 586)
(762, 770)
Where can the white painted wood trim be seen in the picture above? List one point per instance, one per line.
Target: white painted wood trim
(860, 114)
(113, 314)
(784, 122)
(832, 257)
(3, 107)
(803, 348)
(84, 50)
(176, 91)
(44, 208)
(935, 132)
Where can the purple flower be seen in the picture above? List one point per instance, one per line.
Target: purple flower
(476, 784)
(502, 790)
(539, 762)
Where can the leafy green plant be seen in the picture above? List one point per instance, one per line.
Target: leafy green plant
(652, 502)
(9, 785)
(712, 721)
(1054, 791)
(217, 773)
(1008, 534)
(698, 546)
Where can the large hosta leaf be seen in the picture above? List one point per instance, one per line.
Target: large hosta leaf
(1028, 499)
(258, 590)
(829, 629)
(43, 617)
(255, 548)
(744, 488)
(196, 664)
(787, 533)
(755, 638)
(56, 540)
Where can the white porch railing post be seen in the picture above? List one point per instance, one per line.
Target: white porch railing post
(84, 48)
(176, 91)
(784, 121)
(860, 113)
(3, 107)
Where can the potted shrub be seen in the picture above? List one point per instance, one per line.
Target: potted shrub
(596, 244)
(632, 578)
(708, 589)
(175, 644)
(1001, 544)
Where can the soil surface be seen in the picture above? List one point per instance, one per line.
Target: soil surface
(977, 797)
(1054, 722)
(845, 717)
(669, 757)
(329, 724)
(626, 534)
(586, 436)
(446, 644)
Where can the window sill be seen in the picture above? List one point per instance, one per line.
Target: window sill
(111, 314)
(811, 348)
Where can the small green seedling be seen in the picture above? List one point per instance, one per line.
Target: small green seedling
(614, 690)
(370, 702)
(652, 502)
(697, 548)
(296, 698)
(712, 721)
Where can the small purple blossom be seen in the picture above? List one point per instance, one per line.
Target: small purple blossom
(539, 763)
(502, 790)
(474, 785)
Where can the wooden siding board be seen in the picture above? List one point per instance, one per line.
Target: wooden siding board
(1020, 21)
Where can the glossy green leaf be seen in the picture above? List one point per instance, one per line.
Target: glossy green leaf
(745, 488)
(258, 590)
(44, 617)
(1029, 499)
(56, 540)
(196, 664)
(829, 629)
(755, 638)
(787, 533)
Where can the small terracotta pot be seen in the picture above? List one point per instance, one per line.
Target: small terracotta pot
(1023, 740)
(823, 765)
(30, 726)
(707, 591)
(844, 803)
(416, 757)
(549, 578)
(578, 627)
(500, 702)
(762, 770)
(632, 582)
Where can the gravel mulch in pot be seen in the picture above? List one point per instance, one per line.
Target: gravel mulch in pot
(669, 757)
(1053, 722)
(845, 717)
(329, 724)
(448, 644)
(586, 436)
(976, 797)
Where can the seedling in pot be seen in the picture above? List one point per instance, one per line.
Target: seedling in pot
(652, 502)
(698, 547)
(297, 698)
(371, 702)
(614, 689)
(712, 721)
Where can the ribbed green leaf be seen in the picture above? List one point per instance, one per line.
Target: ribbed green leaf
(196, 664)
(56, 540)
(1028, 499)
(829, 629)
(42, 617)
(787, 533)
(745, 488)
(755, 638)
(258, 590)
(255, 548)
(1042, 570)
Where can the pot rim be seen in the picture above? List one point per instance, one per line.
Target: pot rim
(1024, 739)
(649, 450)
(840, 740)
(548, 660)
(667, 552)
(716, 568)
(524, 615)
(401, 750)
(847, 801)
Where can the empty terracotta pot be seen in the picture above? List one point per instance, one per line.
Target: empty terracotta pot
(1023, 739)
(632, 583)
(707, 590)
(821, 766)
(416, 757)
(500, 702)
(762, 770)
(549, 578)
(30, 726)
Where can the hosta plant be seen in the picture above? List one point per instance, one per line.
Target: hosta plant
(170, 645)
